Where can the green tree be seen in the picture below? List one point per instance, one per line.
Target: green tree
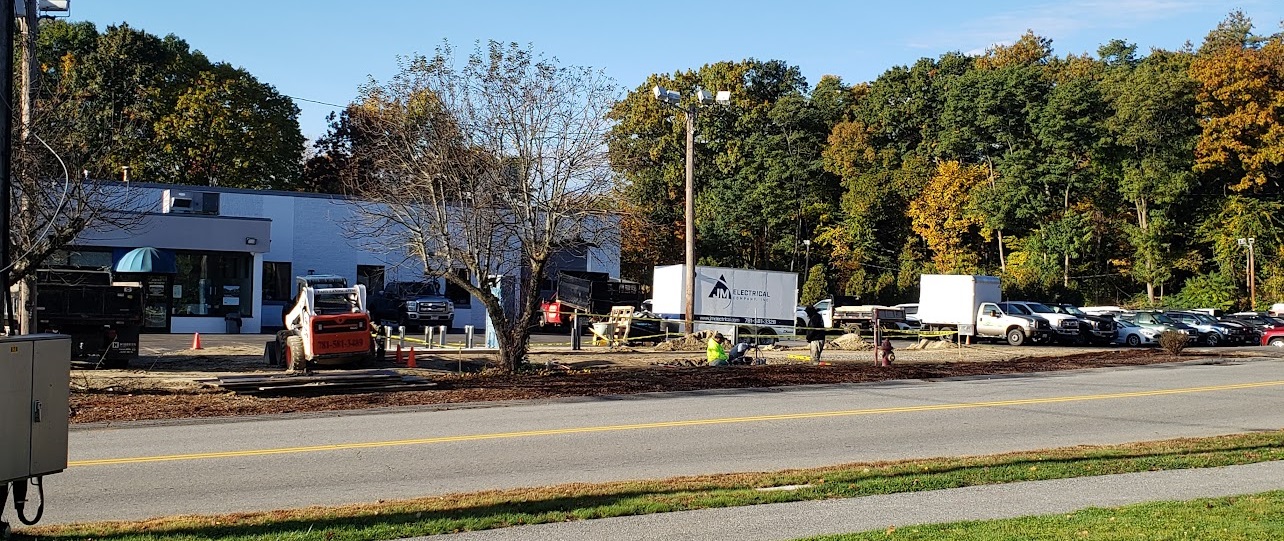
(129, 98)
(817, 285)
(230, 130)
(1153, 126)
(758, 180)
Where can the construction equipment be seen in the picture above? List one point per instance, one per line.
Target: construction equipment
(327, 325)
(588, 293)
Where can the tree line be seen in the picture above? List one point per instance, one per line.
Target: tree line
(1109, 177)
(1117, 177)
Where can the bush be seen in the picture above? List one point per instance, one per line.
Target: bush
(1173, 341)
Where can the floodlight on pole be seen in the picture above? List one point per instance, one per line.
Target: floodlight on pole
(673, 99)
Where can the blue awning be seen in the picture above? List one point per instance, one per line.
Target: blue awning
(149, 260)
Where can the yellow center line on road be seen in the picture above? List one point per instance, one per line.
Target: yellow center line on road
(668, 424)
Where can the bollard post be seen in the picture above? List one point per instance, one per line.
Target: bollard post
(468, 336)
(876, 342)
(441, 336)
(387, 338)
(575, 332)
(428, 336)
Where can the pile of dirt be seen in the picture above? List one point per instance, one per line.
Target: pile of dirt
(930, 343)
(851, 342)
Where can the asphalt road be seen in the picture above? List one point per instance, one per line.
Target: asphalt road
(142, 470)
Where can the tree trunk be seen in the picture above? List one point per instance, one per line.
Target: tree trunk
(1003, 264)
(513, 347)
(1065, 275)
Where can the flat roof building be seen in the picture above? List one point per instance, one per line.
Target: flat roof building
(235, 252)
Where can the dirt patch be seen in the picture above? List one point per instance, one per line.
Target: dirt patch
(164, 386)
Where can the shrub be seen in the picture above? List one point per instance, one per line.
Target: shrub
(1173, 341)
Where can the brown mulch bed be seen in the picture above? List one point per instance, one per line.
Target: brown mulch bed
(95, 407)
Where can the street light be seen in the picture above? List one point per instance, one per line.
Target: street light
(1252, 267)
(673, 99)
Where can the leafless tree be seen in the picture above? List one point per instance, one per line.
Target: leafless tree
(493, 166)
(52, 205)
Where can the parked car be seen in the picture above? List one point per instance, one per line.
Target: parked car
(1273, 337)
(1261, 321)
(1109, 311)
(1095, 329)
(412, 304)
(1135, 335)
(1213, 332)
(1065, 327)
(911, 313)
(1158, 322)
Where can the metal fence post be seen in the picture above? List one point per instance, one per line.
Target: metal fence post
(575, 332)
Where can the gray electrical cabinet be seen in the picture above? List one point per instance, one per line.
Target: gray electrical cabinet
(35, 378)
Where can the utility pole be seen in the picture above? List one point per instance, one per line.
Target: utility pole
(29, 25)
(672, 99)
(6, 155)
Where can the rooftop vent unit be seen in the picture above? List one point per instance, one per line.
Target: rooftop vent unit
(176, 202)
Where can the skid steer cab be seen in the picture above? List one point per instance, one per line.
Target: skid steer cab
(328, 325)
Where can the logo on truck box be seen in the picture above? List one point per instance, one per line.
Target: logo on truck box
(723, 290)
(720, 289)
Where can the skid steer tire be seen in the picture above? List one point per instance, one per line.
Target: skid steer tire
(294, 361)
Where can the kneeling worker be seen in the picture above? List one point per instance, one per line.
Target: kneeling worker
(716, 352)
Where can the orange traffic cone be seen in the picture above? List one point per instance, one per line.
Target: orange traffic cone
(410, 359)
(398, 353)
(196, 341)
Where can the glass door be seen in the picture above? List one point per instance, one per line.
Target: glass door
(156, 302)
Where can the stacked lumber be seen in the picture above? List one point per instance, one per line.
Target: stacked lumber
(317, 384)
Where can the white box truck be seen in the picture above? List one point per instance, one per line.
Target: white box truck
(740, 303)
(973, 306)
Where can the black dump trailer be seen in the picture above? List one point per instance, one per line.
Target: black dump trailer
(102, 319)
(588, 292)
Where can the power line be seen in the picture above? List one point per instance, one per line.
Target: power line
(317, 102)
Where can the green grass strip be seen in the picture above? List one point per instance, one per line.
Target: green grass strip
(1257, 517)
(498, 509)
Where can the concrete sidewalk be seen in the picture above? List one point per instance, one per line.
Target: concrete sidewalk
(803, 519)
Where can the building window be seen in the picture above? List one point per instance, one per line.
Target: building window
(213, 284)
(370, 276)
(456, 294)
(80, 259)
(278, 281)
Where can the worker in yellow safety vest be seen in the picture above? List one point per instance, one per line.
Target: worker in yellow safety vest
(716, 352)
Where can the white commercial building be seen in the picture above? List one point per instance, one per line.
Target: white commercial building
(206, 254)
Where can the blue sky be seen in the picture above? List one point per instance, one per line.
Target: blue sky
(323, 50)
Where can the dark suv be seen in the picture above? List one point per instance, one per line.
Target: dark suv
(410, 304)
(1214, 332)
(1098, 330)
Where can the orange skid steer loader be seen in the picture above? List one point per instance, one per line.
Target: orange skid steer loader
(326, 326)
